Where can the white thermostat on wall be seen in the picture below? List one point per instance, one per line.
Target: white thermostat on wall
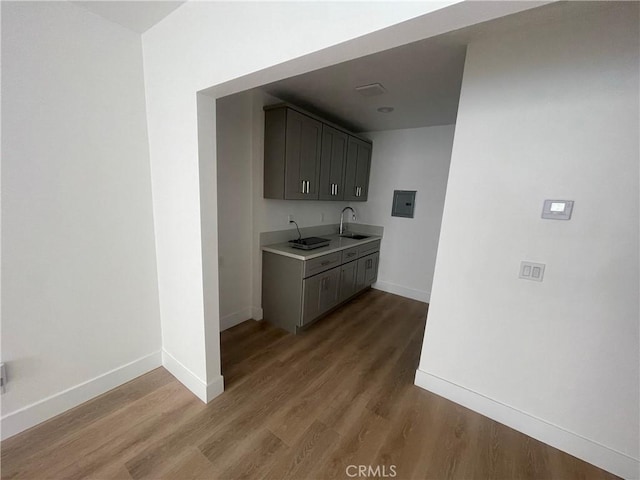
(557, 209)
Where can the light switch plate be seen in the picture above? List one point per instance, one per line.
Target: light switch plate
(3, 378)
(532, 271)
(557, 209)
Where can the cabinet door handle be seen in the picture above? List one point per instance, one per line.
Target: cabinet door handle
(336, 189)
(308, 185)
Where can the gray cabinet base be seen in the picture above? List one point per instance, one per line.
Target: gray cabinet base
(329, 312)
(282, 290)
(292, 302)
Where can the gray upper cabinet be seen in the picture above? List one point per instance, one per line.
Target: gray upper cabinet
(292, 147)
(356, 178)
(332, 163)
(306, 158)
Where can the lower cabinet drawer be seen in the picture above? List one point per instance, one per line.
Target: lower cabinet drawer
(349, 254)
(320, 264)
(368, 248)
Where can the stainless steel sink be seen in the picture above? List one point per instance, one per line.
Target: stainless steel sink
(355, 236)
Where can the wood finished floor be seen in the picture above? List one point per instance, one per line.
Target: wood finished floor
(295, 407)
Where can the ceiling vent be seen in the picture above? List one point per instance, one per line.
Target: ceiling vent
(371, 90)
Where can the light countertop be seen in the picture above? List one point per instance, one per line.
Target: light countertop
(337, 243)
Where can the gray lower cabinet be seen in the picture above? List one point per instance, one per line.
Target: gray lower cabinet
(348, 274)
(295, 292)
(320, 294)
(367, 270)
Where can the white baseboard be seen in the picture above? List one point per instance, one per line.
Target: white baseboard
(420, 295)
(215, 388)
(257, 313)
(38, 412)
(588, 450)
(185, 376)
(235, 318)
(202, 390)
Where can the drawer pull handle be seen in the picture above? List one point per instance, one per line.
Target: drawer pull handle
(327, 262)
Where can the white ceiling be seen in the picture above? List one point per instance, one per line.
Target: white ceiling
(422, 81)
(138, 16)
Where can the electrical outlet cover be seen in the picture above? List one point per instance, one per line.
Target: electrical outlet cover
(532, 271)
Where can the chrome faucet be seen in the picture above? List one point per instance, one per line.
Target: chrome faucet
(342, 217)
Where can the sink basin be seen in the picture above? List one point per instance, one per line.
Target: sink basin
(355, 236)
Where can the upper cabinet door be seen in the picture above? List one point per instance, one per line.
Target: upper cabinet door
(356, 179)
(332, 163)
(302, 157)
(305, 158)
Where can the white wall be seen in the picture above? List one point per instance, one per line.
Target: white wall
(402, 159)
(227, 47)
(209, 332)
(80, 297)
(243, 213)
(545, 113)
(235, 224)
(203, 44)
(410, 159)
(270, 214)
